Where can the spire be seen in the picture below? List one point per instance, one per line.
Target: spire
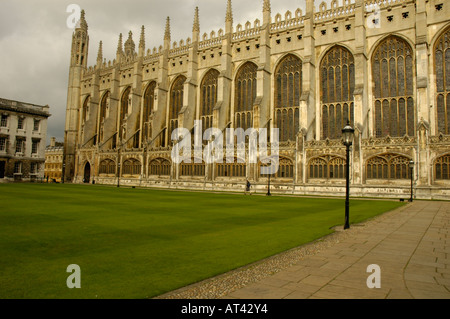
(309, 7)
(266, 6)
(119, 48)
(142, 42)
(167, 31)
(82, 24)
(229, 16)
(100, 54)
(129, 45)
(229, 19)
(196, 27)
(266, 11)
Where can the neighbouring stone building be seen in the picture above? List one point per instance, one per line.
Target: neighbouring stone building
(54, 155)
(23, 130)
(384, 65)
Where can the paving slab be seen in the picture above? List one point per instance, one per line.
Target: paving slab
(411, 245)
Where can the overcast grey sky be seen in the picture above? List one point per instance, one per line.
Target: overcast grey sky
(35, 41)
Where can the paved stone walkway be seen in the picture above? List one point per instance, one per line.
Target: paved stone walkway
(411, 247)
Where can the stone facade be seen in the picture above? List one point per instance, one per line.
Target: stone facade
(382, 65)
(54, 155)
(23, 131)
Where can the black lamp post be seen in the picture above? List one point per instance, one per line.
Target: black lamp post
(118, 167)
(93, 173)
(63, 173)
(347, 134)
(411, 169)
(268, 187)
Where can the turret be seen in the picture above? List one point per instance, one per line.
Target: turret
(130, 47)
(80, 42)
(78, 62)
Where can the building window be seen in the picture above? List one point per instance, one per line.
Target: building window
(35, 147)
(149, 100)
(104, 112)
(393, 76)
(208, 91)
(85, 115)
(17, 168)
(34, 168)
(3, 144)
(285, 169)
(124, 109)
(245, 95)
(442, 168)
(176, 103)
(107, 167)
(20, 123)
(36, 124)
(160, 167)
(131, 167)
(20, 145)
(442, 71)
(388, 166)
(231, 169)
(337, 83)
(193, 169)
(288, 88)
(4, 120)
(327, 167)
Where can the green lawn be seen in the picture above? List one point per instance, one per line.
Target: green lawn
(139, 243)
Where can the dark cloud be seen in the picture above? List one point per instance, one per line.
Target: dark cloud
(35, 41)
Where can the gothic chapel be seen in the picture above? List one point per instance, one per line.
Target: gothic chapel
(382, 65)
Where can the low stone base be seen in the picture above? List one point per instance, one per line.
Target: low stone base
(366, 191)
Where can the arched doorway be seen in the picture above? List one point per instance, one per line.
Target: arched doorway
(87, 173)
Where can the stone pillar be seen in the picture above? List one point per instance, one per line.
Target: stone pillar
(308, 100)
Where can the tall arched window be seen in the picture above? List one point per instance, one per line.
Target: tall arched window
(85, 118)
(104, 112)
(208, 91)
(388, 166)
(85, 110)
(245, 95)
(288, 88)
(393, 74)
(337, 83)
(176, 103)
(442, 69)
(124, 105)
(442, 168)
(149, 98)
